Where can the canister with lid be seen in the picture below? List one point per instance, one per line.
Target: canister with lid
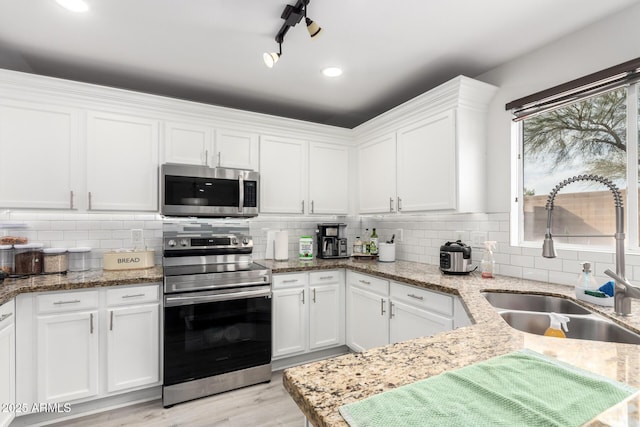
(6, 258)
(28, 258)
(79, 259)
(55, 260)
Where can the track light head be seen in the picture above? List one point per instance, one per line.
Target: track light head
(313, 28)
(270, 58)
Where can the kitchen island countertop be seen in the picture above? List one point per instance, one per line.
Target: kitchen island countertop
(319, 388)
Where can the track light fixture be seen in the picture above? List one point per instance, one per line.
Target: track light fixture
(292, 15)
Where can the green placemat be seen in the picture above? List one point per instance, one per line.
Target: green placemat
(523, 388)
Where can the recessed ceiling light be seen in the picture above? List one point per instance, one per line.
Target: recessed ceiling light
(332, 72)
(74, 5)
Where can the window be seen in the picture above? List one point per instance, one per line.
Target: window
(591, 129)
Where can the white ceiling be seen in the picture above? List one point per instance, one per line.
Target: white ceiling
(211, 50)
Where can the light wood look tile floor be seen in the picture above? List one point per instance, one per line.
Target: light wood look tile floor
(260, 405)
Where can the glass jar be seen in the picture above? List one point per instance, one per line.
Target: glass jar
(79, 259)
(28, 258)
(6, 258)
(55, 260)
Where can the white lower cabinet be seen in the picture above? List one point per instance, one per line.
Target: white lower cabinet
(81, 345)
(308, 312)
(7, 363)
(381, 312)
(67, 355)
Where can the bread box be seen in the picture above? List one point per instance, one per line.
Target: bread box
(128, 260)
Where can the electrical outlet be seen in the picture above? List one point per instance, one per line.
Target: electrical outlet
(478, 238)
(399, 235)
(460, 235)
(137, 238)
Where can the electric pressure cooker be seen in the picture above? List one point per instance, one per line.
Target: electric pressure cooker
(455, 258)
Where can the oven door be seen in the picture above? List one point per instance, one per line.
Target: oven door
(215, 332)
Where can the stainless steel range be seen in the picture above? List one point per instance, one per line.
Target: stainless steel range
(217, 311)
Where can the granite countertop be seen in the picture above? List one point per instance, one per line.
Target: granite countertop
(319, 388)
(10, 288)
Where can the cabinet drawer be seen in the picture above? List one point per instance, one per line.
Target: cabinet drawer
(423, 298)
(324, 277)
(290, 280)
(7, 313)
(67, 301)
(132, 295)
(373, 284)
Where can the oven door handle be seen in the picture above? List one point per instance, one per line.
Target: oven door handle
(240, 194)
(182, 299)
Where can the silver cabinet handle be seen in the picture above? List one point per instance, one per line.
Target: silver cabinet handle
(5, 316)
(91, 323)
(133, 296)
(364, 281)
(303, 296)
(75, 301)
(390, 204)
(89, 200)
(290, 281)
(325, 277)
(314, 295)
(302, 209)
(312, 209)
(71, 199)
(219, 158)
(399, 204)
(416, 296)
(390, 309)
(206, 157)
(111, 320)
(382, 312)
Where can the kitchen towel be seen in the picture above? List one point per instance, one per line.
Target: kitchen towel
(281, 252)
(523, 388)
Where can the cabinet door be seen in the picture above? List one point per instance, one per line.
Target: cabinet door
(289, 321)
(427, 164)
(367, 321)
(377, 175)
(187, 143)
(283, 171)
(122, 162)
(328, 179)
(7, 365)
(67, 355)
(38, 156)
(235, 149)
(409, 322)
(325, 317)
(133, 348)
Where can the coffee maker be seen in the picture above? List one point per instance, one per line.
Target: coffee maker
(331, 241)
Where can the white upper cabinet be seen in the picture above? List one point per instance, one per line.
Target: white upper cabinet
(328, 178)
(122, 162)
(38, 155)
(199, 144)
(235, 149)
(426, 163)
(187, 143)
(283, 175)
(429, 153)
(377, 175)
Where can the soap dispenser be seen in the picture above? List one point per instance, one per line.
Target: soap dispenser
(557, 322)
(586, 280)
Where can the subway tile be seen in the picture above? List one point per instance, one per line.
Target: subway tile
(509, 270)
(535, 274)
(522, 260)
(75, 235)
(50, 235)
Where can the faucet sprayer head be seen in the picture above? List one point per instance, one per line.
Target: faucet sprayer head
(548, 251)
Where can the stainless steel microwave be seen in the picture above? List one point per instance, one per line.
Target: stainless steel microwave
(201, 191)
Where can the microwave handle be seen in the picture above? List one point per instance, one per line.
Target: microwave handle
(241, 193)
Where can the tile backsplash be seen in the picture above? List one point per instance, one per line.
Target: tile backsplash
(418, 238)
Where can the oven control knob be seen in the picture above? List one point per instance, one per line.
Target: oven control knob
(184, 242)
(234, 241)
(171, 243)
(245, 241)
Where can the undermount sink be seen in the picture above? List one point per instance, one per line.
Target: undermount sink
(528, 313)
(530, 302)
